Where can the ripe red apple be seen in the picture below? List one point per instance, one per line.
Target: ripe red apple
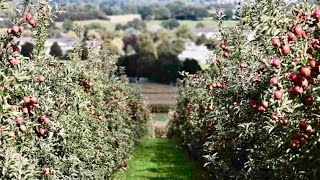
(305, 71)
(314, 42)
(253, 104)
(298, 31)
(295, 77)
(276, 41)
(33, 22)
(33, 100)
(25, 110)
(276, 62)
(261, 109)
(40, 78)
(296, 90)
(285, 122)
(9, 31)
(226, 54)
(15, 49)
(308, 101)
(26, 99)
(285, 49)
(243, 65)
(28, 17)
(313, 63)
(90, 84)
(15, 29)
(296, 60)
(291, 37)
(316, 14)
(19, 120)
(13, 61)
(277, 94)
(46, 120)
(30, 108)
(41, 131)
(274, 80)
(21, 29)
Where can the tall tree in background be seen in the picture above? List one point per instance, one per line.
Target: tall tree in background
(55, 50)
(26, 49)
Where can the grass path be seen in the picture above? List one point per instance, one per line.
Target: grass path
(158, 159)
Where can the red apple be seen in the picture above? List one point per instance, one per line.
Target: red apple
(243, 65)
(19, 120)
(313, 63)
(314, 42)
(308, 101)
(26, 99)
(295, 77)
(298, 31)
(276, 62)
(276, 41)
(41, 131)
(277, 94)
(305, 71)
(261, 109)
(40, 78)
(316, 14)
(285, 49)
(296, 90)
(296, 60)
(21, 29)
(25, 110)
(274, 80)
(15, 49)
(33, 100)
(15, 29)
(291, 37)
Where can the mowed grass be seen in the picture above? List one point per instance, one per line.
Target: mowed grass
(159, 116)
(159, 159)
(122, 19)
(209, 23)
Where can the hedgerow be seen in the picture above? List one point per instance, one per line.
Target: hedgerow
(63, 119)
(255, 113)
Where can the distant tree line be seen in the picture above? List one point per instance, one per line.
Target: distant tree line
(174, 10)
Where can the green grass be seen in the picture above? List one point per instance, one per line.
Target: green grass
(205, 66)
(159, 159)
(192, 24)
(159, 116)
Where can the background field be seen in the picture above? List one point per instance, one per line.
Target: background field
(122, 19)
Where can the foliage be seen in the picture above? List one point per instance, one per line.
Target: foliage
(170, 24)
(63, 119)
(27, 49)
(191, 66)
(255, 113)
(68, 25)
(56, 50)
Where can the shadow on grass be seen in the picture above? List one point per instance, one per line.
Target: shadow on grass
(159, 159)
